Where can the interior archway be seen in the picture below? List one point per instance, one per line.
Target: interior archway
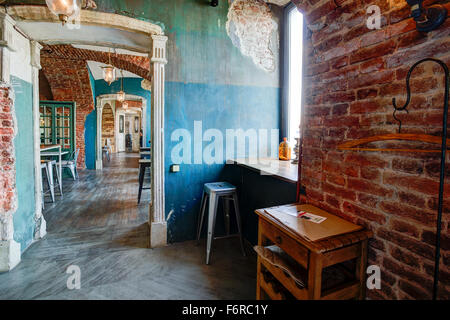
(108, 127)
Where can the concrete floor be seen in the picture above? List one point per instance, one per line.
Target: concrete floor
(99, 227)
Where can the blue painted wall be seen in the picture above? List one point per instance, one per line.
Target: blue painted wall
(90, 131)
(219, 107)
(208, 80)
(100, 87)
(24, 149)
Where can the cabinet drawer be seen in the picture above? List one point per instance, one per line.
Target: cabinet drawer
(287, 244)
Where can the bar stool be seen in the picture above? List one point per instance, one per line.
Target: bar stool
(213, 192)
(54, 164)
(44, 167)
(143, 165)
(47, 166)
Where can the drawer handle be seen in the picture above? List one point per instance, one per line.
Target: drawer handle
(278, 240)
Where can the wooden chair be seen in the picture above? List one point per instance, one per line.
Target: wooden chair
(72, 164)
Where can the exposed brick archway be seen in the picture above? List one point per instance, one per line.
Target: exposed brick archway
(135, 64)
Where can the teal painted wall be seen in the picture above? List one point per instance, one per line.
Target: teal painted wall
(24, 149)
(100, 87)
(208, 80)
(90, 131)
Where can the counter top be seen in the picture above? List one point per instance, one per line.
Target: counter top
(283, 170)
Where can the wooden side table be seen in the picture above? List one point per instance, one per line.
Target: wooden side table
(313, 258)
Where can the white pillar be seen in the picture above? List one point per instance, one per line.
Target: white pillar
(99, 154)
(10, 253)
(158, 226)
(41, 226)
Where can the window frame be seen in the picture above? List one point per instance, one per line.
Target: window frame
(285, 123)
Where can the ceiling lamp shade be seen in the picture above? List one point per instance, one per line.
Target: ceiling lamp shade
(125, 105)
(121, 96)
(64, 9)
(121, 93)
(109, 74)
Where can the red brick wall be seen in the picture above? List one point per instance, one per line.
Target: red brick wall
(69, 81)
(353, 73)
(7, 161)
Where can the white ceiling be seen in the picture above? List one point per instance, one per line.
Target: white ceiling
(97, 71)
(106, 49)
(55, 33)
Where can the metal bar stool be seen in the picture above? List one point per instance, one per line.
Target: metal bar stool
(44, 167)
(143, 165)
(54, 164)
(213, 192)
(48, 165)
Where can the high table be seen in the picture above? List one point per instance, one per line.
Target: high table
(45, 152)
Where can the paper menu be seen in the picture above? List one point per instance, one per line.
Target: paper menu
(307, 216)
(329, 226)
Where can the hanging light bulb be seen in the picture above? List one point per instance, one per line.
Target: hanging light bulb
(121, 93)
(109, 72)
(64, 9)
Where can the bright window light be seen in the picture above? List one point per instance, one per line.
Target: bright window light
(294, 70)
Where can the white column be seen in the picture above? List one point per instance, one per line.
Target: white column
(99, 157)
(158, 226)
(10, 253)
(41, 226)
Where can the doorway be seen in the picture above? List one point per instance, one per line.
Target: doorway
(132, 34)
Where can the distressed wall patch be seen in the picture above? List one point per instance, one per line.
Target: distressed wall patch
(250, 27)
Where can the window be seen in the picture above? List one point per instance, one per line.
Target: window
(57, 124)
(293, 57)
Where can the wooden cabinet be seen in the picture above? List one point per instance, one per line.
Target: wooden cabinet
(332, 268)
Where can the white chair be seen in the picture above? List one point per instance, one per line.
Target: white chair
(72, 164)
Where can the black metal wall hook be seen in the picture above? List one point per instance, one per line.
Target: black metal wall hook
(443, 153)
(408, 88)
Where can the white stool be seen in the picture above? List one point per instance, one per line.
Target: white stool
(213, 191)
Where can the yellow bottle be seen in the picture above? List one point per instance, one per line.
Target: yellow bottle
(284, 151)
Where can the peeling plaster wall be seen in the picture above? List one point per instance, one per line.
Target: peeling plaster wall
(20, 68)
(253, 30)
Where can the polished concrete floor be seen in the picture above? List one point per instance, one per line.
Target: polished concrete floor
(99, 227)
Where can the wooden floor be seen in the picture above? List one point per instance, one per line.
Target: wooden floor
(99, 227)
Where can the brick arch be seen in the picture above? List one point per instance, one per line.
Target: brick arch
(134, 64)
(69, 81)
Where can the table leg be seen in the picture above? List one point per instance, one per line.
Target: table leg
(60, 171)
(315, 276)
(50, 180)
(261, 242)
(361, 266)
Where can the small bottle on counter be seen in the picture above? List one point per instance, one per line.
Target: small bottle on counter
(284, 151)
